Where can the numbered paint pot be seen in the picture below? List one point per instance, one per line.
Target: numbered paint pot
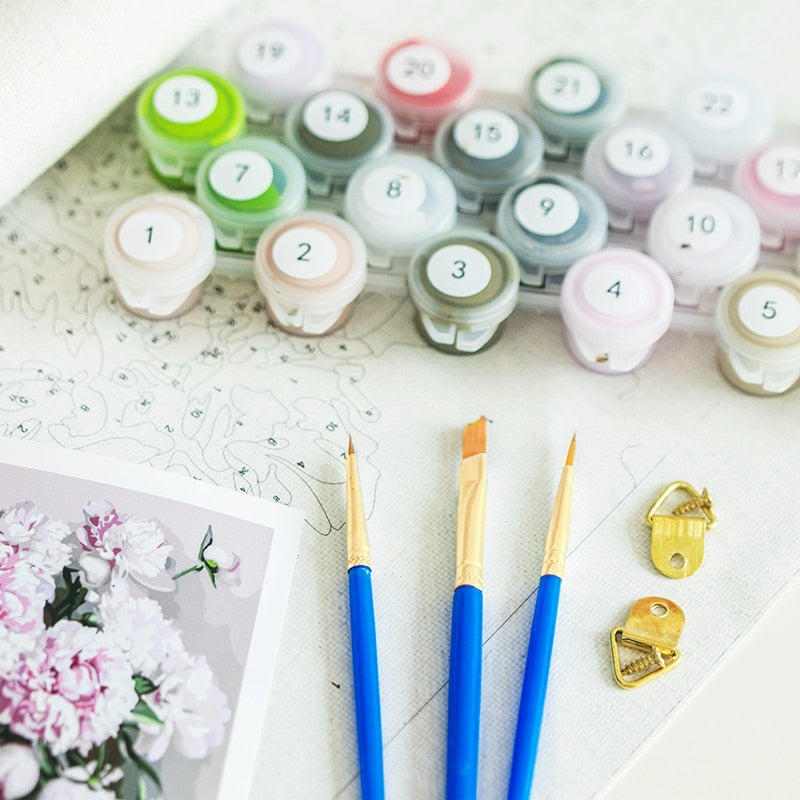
(464, 285)
(159, 250)
(246, 185)
(572, 100)
(398, 203)
(769, 182)
(723, 117)
(485, 150)
(616, 304)
(182, 115)
(276, 63)
(336, 131)
(635, 166)
(310, 268)
(550, 223)
(704, 238)
(757, 324)
(422, 83)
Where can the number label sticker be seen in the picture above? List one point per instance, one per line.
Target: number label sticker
(459, 270)
(240, 175)
(700, 227)
(269, 52)
(546, 209)
(637, 151)
(394, 191)
(778, 168)
(615, 290)
(185, 99)
(568, 87)
(304, 252)
(769, 311)
(418, 69)
(335, 116)
(150, 235)
(486, 134)
(718, 105)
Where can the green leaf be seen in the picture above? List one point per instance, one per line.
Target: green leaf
(143, 685)
(142, 712)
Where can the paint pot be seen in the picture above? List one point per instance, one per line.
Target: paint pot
(398, 203)
(336, 131)
(757, 323)
(159, 250)
(485, 150)
(769, 182)
(423, 82)
(616, 304)
(246, 185)
(572, 100)
(463, 284)
(634, 167)
(183, 114)
(310, 268)
(551, 222)
(723, 117)
(704, 237)
(276, 63)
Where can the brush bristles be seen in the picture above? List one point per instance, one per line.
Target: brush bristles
(571, 453)
(474, 441)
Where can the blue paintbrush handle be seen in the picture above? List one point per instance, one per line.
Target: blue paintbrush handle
(464, 697)
(534, 687)
(365, 682)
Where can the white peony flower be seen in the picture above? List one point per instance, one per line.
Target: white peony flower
(19, 771)
(65, 789)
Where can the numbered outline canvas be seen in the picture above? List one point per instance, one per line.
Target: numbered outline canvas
(140, 615)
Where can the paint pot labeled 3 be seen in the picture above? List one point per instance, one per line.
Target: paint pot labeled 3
(310, 268)
(463, 285)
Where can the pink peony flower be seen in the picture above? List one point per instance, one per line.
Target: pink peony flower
(19, 771)
(73, 691)
(23, 593)
(27, 531)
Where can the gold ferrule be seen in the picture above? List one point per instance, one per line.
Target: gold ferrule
(358, 554)
(555, 546)
(471, 521)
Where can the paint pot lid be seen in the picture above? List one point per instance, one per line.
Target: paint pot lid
(573, 98)
(400, 201)
(552, 221)
(465, 277)
(313, 260)
(278, 61)
(619, 297)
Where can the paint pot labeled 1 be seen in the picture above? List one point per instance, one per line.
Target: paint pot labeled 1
(182, 115)
(248, 184)
(159, 250)
(758, 331)
(704, 238)
(769, 182)
(550, 223)
(572, 100)
(310, 268)
(276, 63)
(616, 304)
(634, 167)
(723, 117)
(398, 203)
(464, 285)
(485, 150)
(422, 83)
(336, 131)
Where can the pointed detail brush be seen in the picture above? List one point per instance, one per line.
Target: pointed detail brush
(363, 640)
(466, 638)
(540, 644)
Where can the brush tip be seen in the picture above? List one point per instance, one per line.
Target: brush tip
(350, 449)
(571, 452)
(474, 440)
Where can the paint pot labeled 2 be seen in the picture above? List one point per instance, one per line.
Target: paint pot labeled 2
(464, 285)
(616, 304)
(310, 268)
(758, 331)
(159, 250)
